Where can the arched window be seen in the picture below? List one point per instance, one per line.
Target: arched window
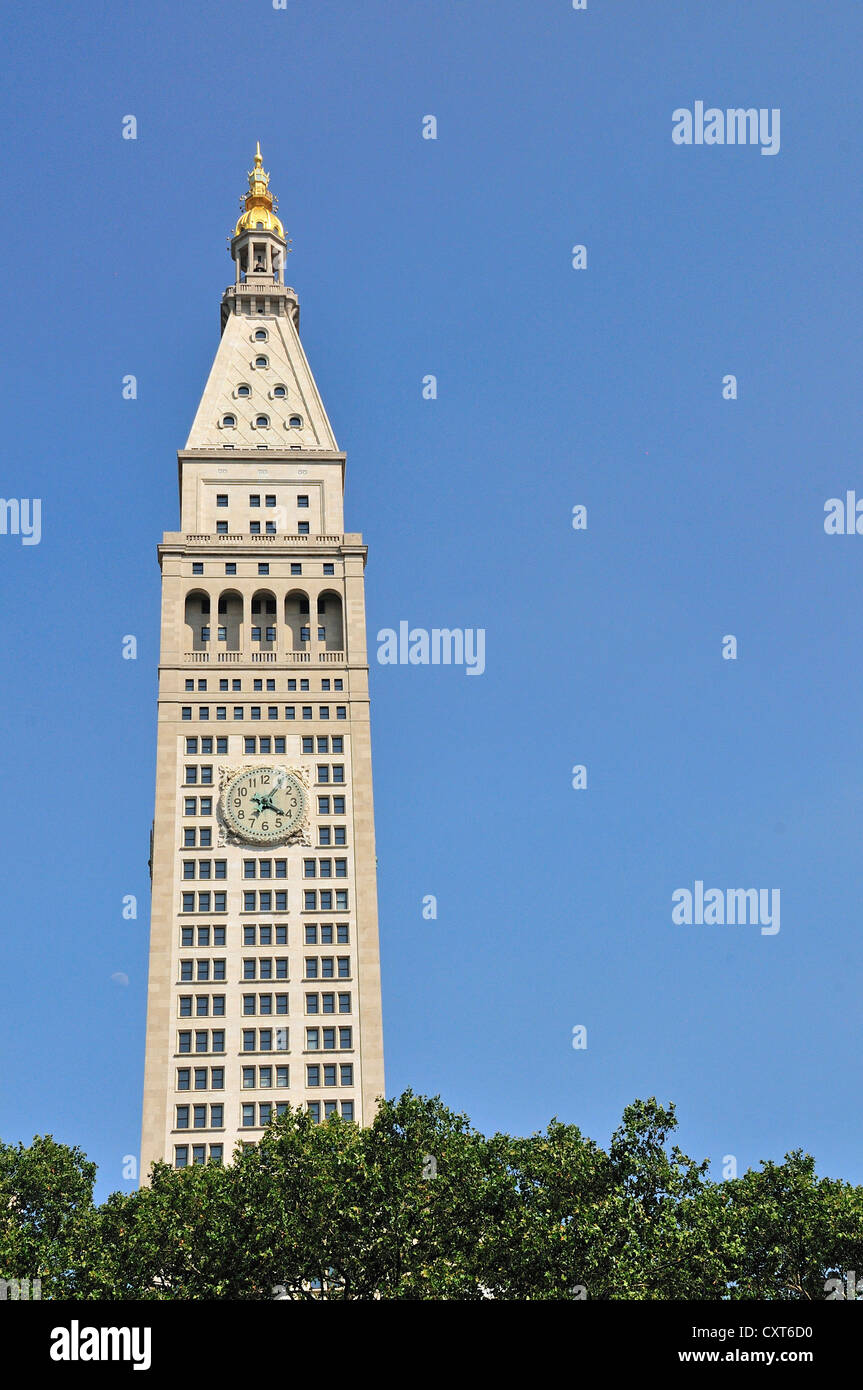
(244, 390)
(262, 421)
(296, 422)
(261, 335)
(230, 620)
(262, 362)
(228, 421)
(297, 618)
(280, 392)
(197, 615)
(330, 620)
(263, 621)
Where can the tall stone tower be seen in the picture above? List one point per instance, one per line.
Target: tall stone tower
(264, 986)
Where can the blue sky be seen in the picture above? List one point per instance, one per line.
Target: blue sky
(555, 387)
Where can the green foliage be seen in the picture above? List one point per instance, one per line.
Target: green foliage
(419, 1205)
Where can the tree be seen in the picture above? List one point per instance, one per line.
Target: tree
(419, 1205)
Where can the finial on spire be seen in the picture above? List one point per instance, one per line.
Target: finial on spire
(259, 201)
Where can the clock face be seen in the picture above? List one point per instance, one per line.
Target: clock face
(264, 804)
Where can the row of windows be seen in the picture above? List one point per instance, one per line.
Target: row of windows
(205, 1078)
(238, 712)
(302, 498)
(202, 970)
(267, 743)
(230, 566)
(205, 970)
(262, 422)
(256, 634)
(202, 1117)
(267, 934)
(324, 868)
(263, 1078)
(265, 1111)
(207, 868)
(204, 1004)
(334, 772)
(265, 602)
(323, 900)
(258, 684)
(263, 868)
(267, 1040)
(203, 806)
(202, 838)
(254, 1004)
(199, 1154)
(263, 1004)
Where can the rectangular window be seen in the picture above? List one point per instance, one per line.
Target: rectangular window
(263, 569)
(230, 568)
(329, 569)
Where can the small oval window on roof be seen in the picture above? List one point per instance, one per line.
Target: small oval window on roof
(244, 390)
(295, 422)
(262, 362)
(262, 421)
(279, 391)
(261, 335)
(228, 421)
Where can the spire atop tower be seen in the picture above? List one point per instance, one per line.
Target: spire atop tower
(260, 204)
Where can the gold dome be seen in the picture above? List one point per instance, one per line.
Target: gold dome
(260, 204)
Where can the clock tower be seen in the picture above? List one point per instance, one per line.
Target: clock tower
(264, 984)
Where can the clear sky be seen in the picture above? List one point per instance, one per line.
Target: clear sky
(556, 387)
